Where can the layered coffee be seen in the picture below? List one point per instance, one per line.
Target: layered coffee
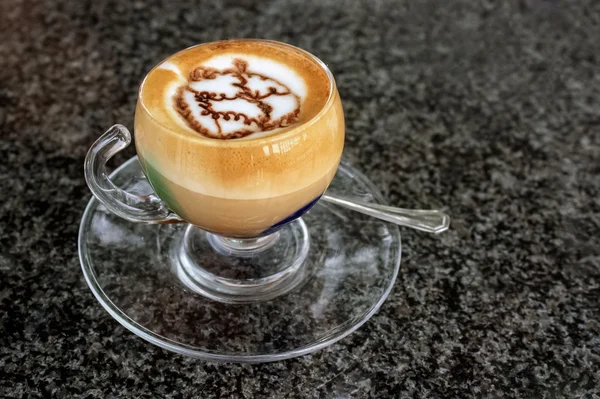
(239, 136)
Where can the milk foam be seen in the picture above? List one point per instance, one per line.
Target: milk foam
(235, 95)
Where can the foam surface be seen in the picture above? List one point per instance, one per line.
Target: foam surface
(234, 90)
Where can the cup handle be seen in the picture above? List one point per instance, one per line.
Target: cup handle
(132, 207)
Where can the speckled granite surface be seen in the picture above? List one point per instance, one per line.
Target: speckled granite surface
(490, 111)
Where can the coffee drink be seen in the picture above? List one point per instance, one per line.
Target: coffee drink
(238, 137)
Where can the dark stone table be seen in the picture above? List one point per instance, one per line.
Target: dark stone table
(489, 110)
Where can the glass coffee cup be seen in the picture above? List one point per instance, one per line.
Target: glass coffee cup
(239, 191)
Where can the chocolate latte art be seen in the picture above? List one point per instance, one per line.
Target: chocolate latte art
(235, 102)
(241, 136)
(235, 90)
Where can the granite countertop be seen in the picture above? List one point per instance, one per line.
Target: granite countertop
(490, 111)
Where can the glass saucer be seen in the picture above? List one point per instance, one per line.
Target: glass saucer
(348, 272)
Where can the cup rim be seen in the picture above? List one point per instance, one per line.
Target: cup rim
(244, 142)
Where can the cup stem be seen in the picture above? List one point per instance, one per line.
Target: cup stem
(244, 247)
(241, 270)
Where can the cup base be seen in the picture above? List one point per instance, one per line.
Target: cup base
(204, 296)
(241, 270)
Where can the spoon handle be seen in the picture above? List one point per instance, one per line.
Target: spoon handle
(430, 221)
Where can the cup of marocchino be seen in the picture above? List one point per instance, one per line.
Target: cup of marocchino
(239, 137)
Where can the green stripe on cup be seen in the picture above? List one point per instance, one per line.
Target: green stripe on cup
(160, 186)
